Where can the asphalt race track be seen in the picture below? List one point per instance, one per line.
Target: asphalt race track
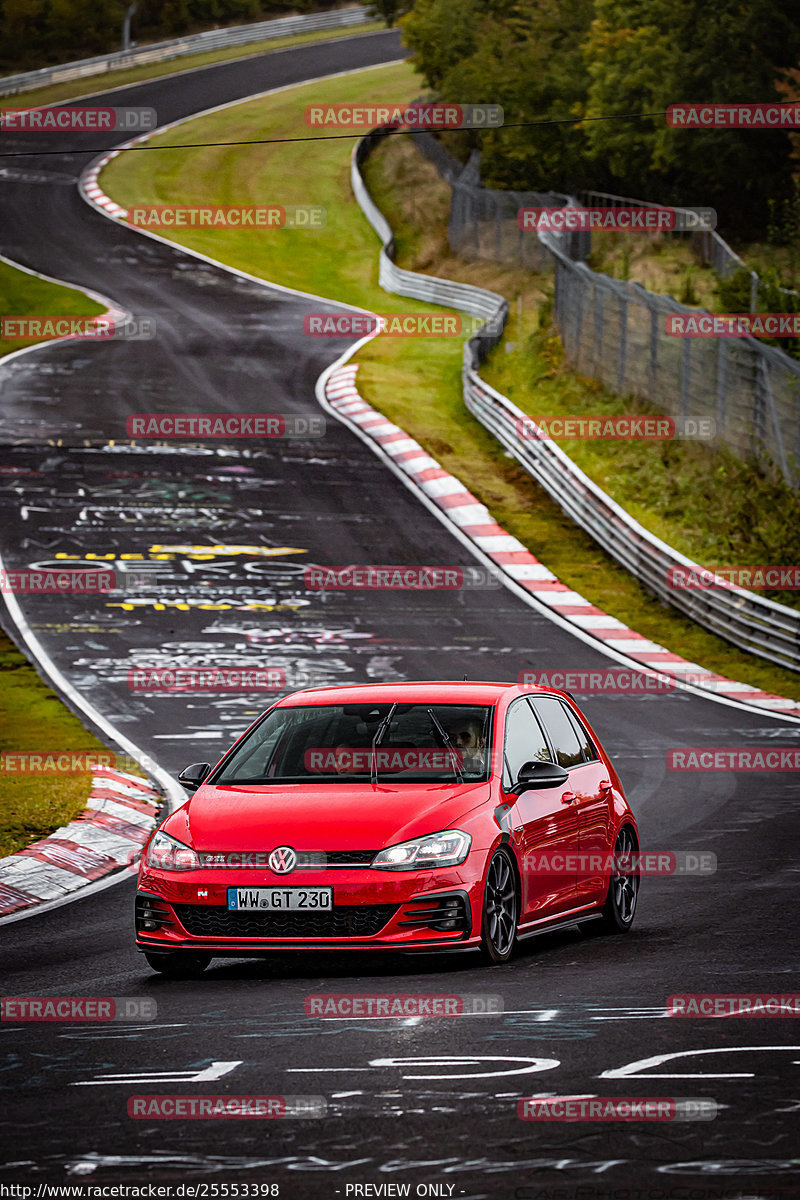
(429, 1103)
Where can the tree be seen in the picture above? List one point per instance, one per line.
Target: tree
(523, 56)
(643, 55)
(390, 10)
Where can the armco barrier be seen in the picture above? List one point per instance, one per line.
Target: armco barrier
(196, 43)
(749, 621)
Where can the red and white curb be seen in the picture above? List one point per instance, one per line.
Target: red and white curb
(91, 188)
(474, 521)
(119, 817)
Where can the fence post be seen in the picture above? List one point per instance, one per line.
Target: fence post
(623, 343)
(654, 335)
(753, 291)
(598, 328)
(722, 380)
(686, 368)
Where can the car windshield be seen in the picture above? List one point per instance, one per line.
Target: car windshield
(404, 743)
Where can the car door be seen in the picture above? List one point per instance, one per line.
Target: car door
(543, 827)
(589, 783)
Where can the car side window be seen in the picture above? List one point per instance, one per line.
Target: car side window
(525, 741)
(563, 734)
(587, 745)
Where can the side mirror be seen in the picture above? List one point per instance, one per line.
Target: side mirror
(539, 775)
(191, 777)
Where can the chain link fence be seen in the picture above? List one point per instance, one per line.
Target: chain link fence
(615, 331)
(748, 620)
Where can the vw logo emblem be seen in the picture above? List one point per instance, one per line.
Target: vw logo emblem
(282, 860)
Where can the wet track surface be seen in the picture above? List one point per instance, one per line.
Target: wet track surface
(209, 545)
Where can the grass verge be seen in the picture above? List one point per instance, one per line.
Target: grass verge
(24, 295)
(33, 718)
(415, 382)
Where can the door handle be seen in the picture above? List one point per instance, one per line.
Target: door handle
(604, 785)
(567, 797)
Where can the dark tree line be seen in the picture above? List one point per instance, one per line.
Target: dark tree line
(38, 33)
(591, 60)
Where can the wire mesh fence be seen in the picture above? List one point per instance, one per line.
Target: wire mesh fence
(615, 331)
(748, 620)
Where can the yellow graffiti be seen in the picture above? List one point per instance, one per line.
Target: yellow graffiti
(212, 551)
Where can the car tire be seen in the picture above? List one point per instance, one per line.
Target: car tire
(500, 909)
(623, 890)
(176, 965)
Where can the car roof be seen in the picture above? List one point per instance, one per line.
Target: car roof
(419, 691)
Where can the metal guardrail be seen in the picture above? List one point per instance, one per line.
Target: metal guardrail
(749, 621)
(477, 301)
(195, 43)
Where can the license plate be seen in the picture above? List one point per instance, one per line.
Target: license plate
(280, 899)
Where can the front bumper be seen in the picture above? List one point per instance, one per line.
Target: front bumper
(372, 910)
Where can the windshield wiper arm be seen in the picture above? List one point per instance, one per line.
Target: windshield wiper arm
(445, 736)
(376, 741)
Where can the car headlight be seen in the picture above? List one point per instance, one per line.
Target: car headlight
(168, 854)
(437, 850)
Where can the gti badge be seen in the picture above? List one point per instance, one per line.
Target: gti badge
(282, 860)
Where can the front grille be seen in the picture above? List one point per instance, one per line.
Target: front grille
(306, 859)
(346, 858)
(216, 921)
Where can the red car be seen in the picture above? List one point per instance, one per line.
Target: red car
(401, 816)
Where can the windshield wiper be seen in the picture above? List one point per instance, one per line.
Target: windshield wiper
(376, 741)
(445, 736)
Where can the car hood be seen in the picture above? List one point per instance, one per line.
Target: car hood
(323, 817)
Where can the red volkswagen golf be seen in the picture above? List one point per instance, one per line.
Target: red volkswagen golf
(402, 816)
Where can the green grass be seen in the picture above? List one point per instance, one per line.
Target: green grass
(94, 84)
(661, 262)
(415, 382)
(33, 718)
(24, 295)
